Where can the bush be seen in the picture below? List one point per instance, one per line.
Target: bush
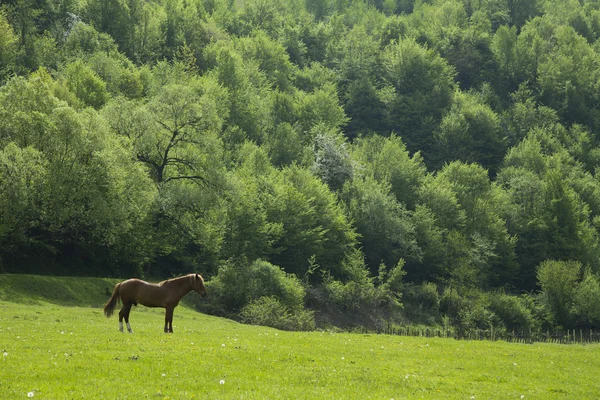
(475, 316)
(451, 303)
(422, 302)
(361, 292)
(353, 295)
(587, 300)
(236, 285)
(269, 311)
(267, 279)
(559, 280)
(512, 312)
(427, 295)
(467, 311)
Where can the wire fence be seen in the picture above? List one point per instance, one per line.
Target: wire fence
(567, 336)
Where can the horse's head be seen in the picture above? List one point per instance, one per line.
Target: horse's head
(198, 284)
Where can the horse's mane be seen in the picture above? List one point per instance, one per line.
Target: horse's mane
(179, 278)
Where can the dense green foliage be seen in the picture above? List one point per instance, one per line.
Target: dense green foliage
(348, 151)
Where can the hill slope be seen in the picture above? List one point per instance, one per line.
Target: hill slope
(55, 351)
(62, 290)
(65, 291)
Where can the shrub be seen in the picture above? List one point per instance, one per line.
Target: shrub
(422, 302)
(353, 295)
(587, 300)
(269, 311)
(267, 279)
(558, 280)
(451, 303)
(511, 312)
(238, 284)
(428, 296)
(475, 316)
(467, 311)
(361, 292)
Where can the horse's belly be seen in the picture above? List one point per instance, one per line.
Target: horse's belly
(152, 300)
(151, 304)
(150, 295)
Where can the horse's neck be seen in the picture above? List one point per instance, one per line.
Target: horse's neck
(182, 284)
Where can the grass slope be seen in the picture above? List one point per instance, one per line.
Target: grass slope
(66, 291)
(60, 352)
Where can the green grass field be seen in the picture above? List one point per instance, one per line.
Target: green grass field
(53, 351)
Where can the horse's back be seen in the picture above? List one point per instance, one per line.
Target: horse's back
(139, 291)
(132, 285)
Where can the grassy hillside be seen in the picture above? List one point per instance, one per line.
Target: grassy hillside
(60, 352)
(66, 291)
(60, 290)
(55, 352)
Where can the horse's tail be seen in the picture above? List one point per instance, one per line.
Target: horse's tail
(112, 303)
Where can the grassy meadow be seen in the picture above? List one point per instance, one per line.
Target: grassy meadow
(51, 349)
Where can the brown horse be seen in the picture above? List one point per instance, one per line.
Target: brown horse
(166, 294)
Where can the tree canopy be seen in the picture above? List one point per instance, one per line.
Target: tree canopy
(445, 142)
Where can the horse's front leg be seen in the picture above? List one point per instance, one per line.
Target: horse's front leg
(169, 320)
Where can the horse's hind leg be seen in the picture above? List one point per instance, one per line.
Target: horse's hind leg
(121, 314)
(127, 319)
(124, 314)
(169, 320)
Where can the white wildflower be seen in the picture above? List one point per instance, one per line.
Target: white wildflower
(222, 382)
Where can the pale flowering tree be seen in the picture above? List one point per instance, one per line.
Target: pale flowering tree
(332, 161)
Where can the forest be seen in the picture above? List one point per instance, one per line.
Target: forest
(321, 162)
